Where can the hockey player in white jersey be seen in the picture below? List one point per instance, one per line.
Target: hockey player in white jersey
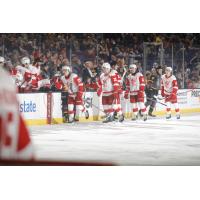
(117, 102)
(135, 88)
(108, 86)
(32, 81)
(15, 142)
(72, 84)
(169, 88)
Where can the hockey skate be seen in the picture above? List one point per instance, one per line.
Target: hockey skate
(115, 117)
(109, 118)
(134, 118)
(121, 118)
(140, 113)
(145, 117)
(65, 118)
(178, 116)
(71, 121)
(86, 114)
(168, 116)
(151, 115)
(76, 119)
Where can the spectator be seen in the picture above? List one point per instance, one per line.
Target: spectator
(54, 50)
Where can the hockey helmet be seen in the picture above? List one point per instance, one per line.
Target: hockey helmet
(168, 69)
(66, 70)
(25, 61)
(106, 67)
(132, 66)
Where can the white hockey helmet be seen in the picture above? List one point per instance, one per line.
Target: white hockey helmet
(25, 61)
(168, 69)
(106, 66)
(66, 70)
(133, 66)
(2, 59)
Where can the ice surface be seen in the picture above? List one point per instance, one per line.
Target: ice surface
(154, 142)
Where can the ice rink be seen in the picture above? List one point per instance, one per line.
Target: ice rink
(154, 142)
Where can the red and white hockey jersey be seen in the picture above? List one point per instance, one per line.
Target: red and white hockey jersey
(73, 83)
(31, 77)
(15, 142)
(16, 76)
(108, 84)
(119, 79)
(169, 84)
(135, 83)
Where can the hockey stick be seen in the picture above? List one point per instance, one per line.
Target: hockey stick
(98, 108)
(22, 84)
(157, 101)
(102, 117)
(162, 98)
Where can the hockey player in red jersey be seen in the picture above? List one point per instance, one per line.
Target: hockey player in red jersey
(169, 88)
(15, 142)
(108, 86)
(31, 81)
(135, 86)
(72, 84)
(117, 102)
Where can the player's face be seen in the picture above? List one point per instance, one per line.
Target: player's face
(160, 71)
(133, 70)
(168, 72)
(1, 64)
(26, 65)
(105, 70)
(65, 72)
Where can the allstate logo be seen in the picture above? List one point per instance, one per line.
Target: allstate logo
(27, 106)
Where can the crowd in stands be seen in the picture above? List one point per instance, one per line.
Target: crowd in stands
(87, 52)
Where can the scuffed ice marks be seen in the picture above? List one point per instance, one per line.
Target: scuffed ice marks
(155, 142)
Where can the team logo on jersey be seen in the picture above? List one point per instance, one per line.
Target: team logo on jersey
(167, 83)
(133, 82)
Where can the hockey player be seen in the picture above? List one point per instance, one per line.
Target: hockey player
(153, 87)
(169, 88)
(135, 87)
(117, 103)
(32, 81)
(15, 142)
(72, 84)
(150, 92)
(108, 86)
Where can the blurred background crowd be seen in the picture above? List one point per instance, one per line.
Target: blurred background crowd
(85, 53)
